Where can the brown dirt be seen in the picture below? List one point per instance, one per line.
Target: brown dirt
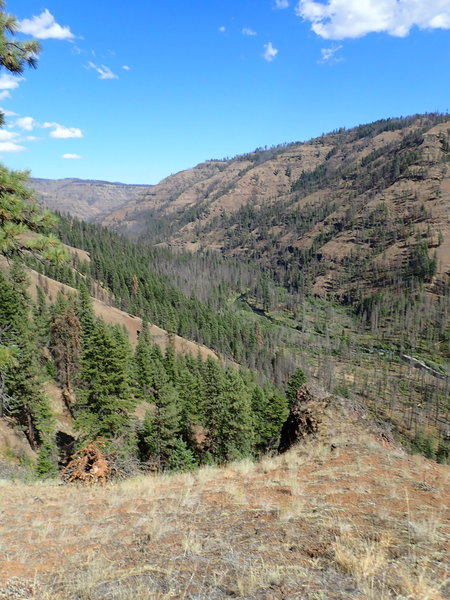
(113, 315)
(346, 515)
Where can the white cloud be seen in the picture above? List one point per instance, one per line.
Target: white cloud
(328, 54)
(340, 19)
(31, 138)
(44, 27)
(9, 82)
(11, 147)
(71, 156)
(222, 29)
(248, 31)
(103, 71)
(8, 113)
(269, 52)
(61, 132)
(280, 4)
(7, 135)
(4, 95)
(126, 68)
(26, 123)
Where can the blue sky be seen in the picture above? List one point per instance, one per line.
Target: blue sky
(135, 91)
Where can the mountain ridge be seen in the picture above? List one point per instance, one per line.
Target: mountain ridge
(87, 199)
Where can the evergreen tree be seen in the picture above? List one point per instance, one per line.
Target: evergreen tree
(144, 364)
(104, 401)
(21, 385)
(166, 418)
(270, 411)
(231, 424)
(85, 314)
(41, 318)
(295, 382)
(15, 55)
(65, 343)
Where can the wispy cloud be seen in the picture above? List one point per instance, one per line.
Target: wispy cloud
(9, 82)
(4, 95)
(329, 55)
(71, 156)
(62, 132)
(103, 71)
(341, 19)
(8, 113)
(222, 29)
(44, 27)
(281, 4)
(126, 68)
(11, 147)
(248, 31)
(269, 52)
(7, 135)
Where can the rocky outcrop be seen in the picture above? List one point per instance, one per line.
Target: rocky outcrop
(302, 421)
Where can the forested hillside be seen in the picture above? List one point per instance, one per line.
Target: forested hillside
(240, 311)
(341, 274)
(161, 411)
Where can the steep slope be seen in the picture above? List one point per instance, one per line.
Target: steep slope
(110, 314)
(344, 515)
(315, 213)
(84, 199)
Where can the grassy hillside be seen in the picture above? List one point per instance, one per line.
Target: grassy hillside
(346, 516)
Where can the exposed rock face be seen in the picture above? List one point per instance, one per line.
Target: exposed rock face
(303, 420)
(330, 418)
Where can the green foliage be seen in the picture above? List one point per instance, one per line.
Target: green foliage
(295, 382)
(181, 457)
(104, 401)
(15, 55)
(21, 394)
(270, 411)
(421, 265)
(65, 341)
(19, 216)
(230, 426)
(46, 464)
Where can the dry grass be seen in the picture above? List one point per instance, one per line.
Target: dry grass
(358, 522)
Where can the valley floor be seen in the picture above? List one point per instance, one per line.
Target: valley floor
(349, 516)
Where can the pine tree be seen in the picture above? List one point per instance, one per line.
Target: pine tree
(85, 314)
(144, 364)
(104, 401)
(65, 343)
(15, 55)
(166, 418)
(21, 385)
(41, 318)
(270, 411)
(232, 427)
(295, 382)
